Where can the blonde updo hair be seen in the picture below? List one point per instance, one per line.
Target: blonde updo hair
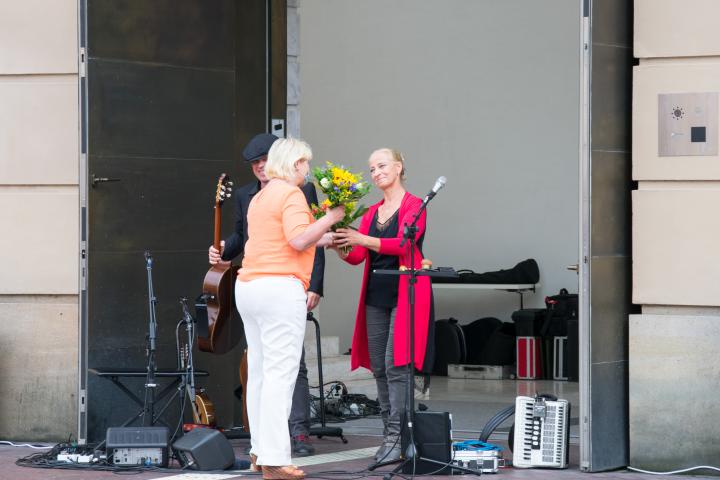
(397, 156)
(283, 155)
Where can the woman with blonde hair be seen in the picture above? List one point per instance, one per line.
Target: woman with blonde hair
(270, 293)
(383, 317)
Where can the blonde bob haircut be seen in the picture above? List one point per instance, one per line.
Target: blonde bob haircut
(283, 155)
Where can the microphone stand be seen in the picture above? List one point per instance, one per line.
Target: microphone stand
(411, 453)
(150, 382)
(188, 380)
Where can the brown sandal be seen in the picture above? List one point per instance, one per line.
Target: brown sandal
(286, 472)
(254, 467)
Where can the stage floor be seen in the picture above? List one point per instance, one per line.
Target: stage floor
(333, 460)
(471, 402)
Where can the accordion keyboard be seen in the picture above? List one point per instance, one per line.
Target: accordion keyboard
(541, 433)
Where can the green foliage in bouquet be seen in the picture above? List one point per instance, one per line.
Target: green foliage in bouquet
(341, 188)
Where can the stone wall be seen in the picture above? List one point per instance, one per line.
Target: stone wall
(39, 144)
(676, 264)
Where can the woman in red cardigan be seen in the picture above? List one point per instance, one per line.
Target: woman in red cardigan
(380, 341)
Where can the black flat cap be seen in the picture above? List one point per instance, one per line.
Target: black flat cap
(258, 146)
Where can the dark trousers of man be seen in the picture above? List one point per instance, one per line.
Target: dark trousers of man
(300, 411)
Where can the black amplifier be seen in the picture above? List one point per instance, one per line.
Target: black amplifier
(433, 441)
(137, 446)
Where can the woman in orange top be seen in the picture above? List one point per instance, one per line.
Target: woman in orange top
(271, 298)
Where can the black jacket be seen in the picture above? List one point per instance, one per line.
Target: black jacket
(235, 244)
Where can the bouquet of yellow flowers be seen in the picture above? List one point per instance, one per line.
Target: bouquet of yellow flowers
(342, 188)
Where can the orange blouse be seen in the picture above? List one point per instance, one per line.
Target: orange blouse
(277, 214)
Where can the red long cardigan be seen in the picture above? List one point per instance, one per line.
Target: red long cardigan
(423, 290)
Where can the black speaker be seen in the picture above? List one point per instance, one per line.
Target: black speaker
(204, 449)
(432, 439)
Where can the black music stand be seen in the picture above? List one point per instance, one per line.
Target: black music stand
(323, 430)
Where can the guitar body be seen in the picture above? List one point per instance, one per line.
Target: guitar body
(223, 321)
(243, 382)
(204, 413)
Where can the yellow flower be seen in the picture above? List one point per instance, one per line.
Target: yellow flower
(326, 202)
(342, 177)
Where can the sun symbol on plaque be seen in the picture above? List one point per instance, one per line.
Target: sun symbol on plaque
(677, 113)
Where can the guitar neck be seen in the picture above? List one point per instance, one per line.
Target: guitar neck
(218, 224)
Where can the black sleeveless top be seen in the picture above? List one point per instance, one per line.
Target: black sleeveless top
(382, 290)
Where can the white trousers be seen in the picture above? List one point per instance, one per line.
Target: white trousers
(274, 314)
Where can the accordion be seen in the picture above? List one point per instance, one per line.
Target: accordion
(542, 432)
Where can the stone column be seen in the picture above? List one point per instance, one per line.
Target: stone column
(39, 145)
(674, 369)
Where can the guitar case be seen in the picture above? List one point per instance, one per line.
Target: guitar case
(450, 346)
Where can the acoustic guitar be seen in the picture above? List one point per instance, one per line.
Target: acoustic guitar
(223, 325)
(203, 410)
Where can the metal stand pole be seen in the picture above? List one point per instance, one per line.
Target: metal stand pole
(323, 430)
(150, 382)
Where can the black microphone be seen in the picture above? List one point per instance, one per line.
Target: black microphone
(439, 183)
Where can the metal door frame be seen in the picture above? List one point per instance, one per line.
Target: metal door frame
(84, 226)
(585, 190)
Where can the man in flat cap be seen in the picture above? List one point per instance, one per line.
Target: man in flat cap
(256, 152)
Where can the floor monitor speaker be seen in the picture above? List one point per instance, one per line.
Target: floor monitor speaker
(205, 449)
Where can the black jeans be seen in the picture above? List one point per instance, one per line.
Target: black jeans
(391, 380)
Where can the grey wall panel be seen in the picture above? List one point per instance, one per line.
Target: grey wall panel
(146, 207)
(119, 302)
(609, 413)
(483, 92)
(610, 308)
(611, 93)
(250, 75)
(606, 436)
(164, 31)
(619, 30)
(611, 185)
(161, 111)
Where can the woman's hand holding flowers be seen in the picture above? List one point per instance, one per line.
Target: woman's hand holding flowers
(348, 238)
(336, 213)
(327, 240)
(343, 189)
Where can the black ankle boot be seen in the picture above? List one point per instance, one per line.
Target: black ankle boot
(390, 449)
